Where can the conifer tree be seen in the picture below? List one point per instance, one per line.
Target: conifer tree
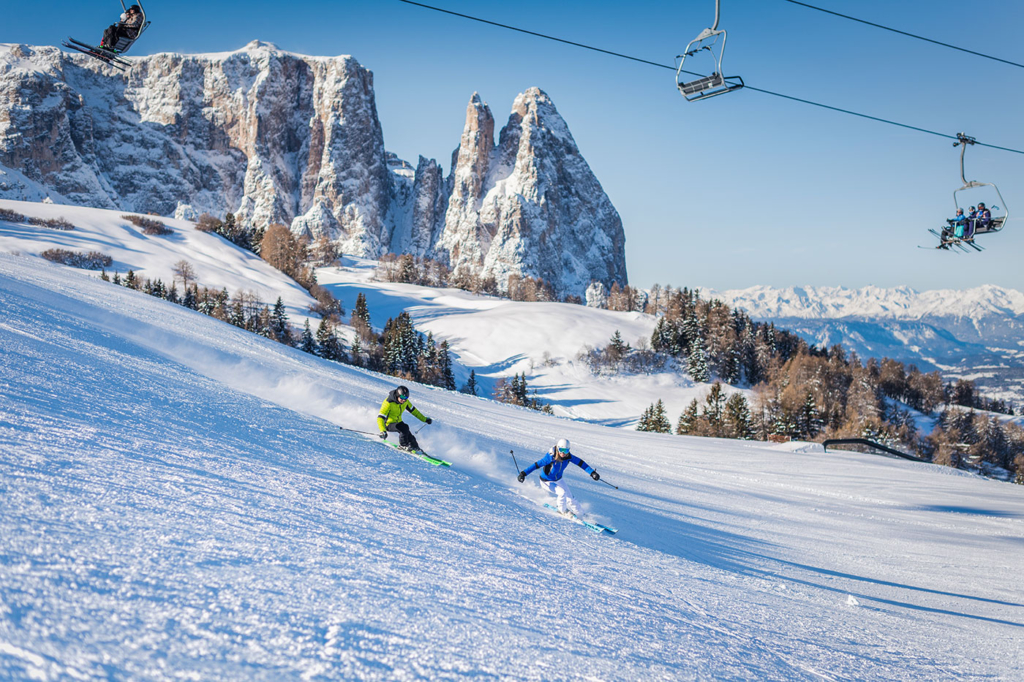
(697, 363)
(645, 419)
(104, 276)
(357, 352)
(307, 344)
(471, 386)
(279, 324)
(737, 421)
(688, 420)
(237, 314)
(617, 348)
(445, 367)
(659, 419)
(330, 346)
(130, 281)
(361, 312)
(714, 409)
(117, 279)
(190, 299)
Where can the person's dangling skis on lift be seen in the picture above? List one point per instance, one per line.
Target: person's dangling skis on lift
(552, 467)
(390, 418)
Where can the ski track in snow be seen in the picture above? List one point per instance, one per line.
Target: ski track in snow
(178, 502)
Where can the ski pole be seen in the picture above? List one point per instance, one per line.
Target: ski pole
(607, 483)
(357, 431)
(515, 462)
(419, 429)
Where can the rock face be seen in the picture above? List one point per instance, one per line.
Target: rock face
(278, 137)
(530, 206)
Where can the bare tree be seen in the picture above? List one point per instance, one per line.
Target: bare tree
(184, 271)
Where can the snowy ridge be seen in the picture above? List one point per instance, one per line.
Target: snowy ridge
(179, 501)
(899, 303)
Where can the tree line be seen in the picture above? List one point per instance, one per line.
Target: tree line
(804, 392)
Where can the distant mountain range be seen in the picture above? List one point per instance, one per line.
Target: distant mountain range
(975, 334)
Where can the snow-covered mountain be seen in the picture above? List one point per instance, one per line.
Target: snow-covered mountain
(976, 333)
(279, 137)
(179, 502)
(493, 337)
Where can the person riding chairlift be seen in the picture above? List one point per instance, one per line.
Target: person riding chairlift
(128, 27)
(955, 228)
(982, 219)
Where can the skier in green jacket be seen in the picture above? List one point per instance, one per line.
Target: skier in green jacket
(390, 418)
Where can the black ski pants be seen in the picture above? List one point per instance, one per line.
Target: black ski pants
(405, 437)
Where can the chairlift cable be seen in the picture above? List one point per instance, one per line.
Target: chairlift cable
(673, 68)
(905, 33)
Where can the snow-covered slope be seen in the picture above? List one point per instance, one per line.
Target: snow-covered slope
(179, 502)
(498, 338)
(494, 337)
(217, 263)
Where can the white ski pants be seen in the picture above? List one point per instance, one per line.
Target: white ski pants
(564, 495)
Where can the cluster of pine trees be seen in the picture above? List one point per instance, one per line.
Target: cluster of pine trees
(409, 269)
(516, 392)
(801, 391)
(244, 309)
(400, 350)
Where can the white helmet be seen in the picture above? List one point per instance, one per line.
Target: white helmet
(562, 447)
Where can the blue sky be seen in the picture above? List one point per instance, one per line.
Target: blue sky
(738, 190)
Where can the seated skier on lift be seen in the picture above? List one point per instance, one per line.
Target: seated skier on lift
(390, 418)
(552, 467)
(982, 219)
(128, 27)
(954, 229)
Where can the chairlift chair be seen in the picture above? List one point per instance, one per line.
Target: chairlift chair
(715, 84)
(997, 222)
(966, 243)
(113, 55)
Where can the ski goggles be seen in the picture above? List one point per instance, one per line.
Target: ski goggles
(563, 451)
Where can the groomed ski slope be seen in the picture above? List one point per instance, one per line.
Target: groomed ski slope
(178, 502)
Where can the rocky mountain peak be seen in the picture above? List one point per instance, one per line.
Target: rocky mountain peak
(276, 137)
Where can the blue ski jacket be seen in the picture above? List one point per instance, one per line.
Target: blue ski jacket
(552, 468)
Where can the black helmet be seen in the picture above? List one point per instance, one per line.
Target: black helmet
(402, 393)
(134, 8)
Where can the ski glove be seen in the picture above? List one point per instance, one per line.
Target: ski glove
(429, 420)
(596, 476)
(383, 435)
(522, 477)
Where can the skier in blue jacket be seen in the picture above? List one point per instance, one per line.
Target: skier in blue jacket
(552, 466)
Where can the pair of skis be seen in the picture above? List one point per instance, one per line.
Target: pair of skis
(596, 527)
(104, 55)
(946, 244)
(419, 454)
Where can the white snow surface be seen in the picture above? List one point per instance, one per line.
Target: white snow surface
(217, 262)
(498, 338)
(494, 337)
(179, 503)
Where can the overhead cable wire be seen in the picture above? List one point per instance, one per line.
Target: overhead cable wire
(905, 33)
(673, 68)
